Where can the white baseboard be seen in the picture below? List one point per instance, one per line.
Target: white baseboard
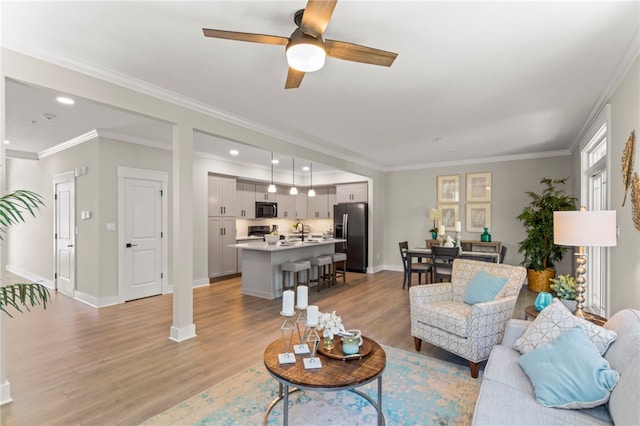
(94, 301)
(181, 334)
(5, 393)
(29, 275)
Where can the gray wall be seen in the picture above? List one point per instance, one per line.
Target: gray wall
(411, 194)
(625, 257)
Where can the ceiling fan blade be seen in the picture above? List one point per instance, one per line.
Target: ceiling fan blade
(357, 53)
(316, 16)
(254, 38)
(294, 78)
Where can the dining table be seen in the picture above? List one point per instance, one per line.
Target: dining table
(421, 253)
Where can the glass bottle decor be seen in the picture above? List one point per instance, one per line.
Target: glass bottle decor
(434, 235)
(543, 300)
(327, 343)
(486, 236)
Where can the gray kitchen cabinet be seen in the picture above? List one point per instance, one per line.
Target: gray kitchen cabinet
(352, 193)
(318, 206)
(221, 257)
(221, 196)
(262, 194)
(286, 206)
(246, 200)
(300, 201)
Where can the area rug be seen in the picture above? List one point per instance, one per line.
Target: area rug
(416, 390)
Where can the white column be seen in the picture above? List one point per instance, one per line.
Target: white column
(5, 386)
(183, 327)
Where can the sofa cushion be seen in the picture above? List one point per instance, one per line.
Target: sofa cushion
(624, 357)
(503, 367)
(499, 404)
(483, 287)
(447, 315)
(569, 372)
(554, 320)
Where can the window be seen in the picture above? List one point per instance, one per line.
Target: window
(595, 196)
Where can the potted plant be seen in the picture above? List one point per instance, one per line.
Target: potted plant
(434, 215)
(565, 289)
(12, 207)
(540, 253)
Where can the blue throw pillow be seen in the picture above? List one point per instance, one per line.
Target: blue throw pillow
(483, 288)
(569, 372)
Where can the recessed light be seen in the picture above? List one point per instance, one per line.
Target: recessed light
(234, 152)
(6, 142)
(65, 100)
(305, 168)
(275, 161)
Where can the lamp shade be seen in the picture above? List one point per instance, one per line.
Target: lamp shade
(585, 228)
(305, 53)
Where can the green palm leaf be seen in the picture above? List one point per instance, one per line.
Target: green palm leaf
(14, 204)
(27, 295)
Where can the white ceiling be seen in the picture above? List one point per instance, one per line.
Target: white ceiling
(473, 80)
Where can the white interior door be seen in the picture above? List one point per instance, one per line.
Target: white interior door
(64, 237)
(142, 238)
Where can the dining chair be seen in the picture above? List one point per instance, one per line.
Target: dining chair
(442, 260)
(416, 267)
(503, 253)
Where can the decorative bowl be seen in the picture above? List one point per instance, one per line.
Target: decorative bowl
(272, 239)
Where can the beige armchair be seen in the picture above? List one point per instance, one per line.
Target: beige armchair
(439, 315)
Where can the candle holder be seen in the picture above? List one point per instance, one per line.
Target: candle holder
(312, 338)
(458, 239)
(286, 329)
(301, 348)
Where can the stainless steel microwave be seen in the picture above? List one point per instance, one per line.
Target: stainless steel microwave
(266, 209)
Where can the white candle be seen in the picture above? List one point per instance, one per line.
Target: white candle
(287, 301)
(441, 230)
(458, 226)
(312, 315)
(303, 296)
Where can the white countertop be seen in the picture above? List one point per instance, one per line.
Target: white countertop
(263, 246)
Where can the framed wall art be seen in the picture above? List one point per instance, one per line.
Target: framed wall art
(478, 216)
(449, 215)
(448, 188)
(478, 187)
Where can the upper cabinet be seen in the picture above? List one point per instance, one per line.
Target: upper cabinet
(300, 202)
(318, 206)
(222, 196)
(352, 193)
(246, 200)
(286, 206)
(331, 200)
(262, 194)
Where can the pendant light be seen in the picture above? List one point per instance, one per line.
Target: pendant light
(293, 190)
(272, 187)
(311, 192)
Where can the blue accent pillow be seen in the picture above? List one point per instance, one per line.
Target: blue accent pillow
(483, 288)
(569, 372)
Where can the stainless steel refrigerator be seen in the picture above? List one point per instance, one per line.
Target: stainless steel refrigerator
(350, 221)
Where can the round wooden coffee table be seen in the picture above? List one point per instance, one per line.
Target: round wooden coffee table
(335, 375)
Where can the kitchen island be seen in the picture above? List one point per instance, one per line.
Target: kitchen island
(261, 273)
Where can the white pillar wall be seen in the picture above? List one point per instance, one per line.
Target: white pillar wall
(183, 327)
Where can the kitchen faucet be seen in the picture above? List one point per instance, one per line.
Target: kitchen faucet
(298, 227)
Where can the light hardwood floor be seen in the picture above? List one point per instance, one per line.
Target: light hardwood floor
(73, 364)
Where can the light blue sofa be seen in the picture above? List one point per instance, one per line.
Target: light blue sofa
(507, 396)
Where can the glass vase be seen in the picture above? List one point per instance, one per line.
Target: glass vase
(327, 343)
(486, 236)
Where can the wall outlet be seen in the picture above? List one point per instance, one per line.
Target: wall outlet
(111, 226)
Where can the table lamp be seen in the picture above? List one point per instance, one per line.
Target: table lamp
(584, 228)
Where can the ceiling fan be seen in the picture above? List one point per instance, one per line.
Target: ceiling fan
(306, 49)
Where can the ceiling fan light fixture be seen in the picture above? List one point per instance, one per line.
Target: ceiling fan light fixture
(305, 53)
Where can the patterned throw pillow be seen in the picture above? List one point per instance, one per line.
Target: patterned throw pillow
(554, 320)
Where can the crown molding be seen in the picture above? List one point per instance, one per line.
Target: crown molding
(68, 144)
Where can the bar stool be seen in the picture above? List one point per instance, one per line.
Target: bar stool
(339, 259)
(322, 265)
(295, 268)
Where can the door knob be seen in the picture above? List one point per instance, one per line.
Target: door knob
(69, 245)
(130, 245)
